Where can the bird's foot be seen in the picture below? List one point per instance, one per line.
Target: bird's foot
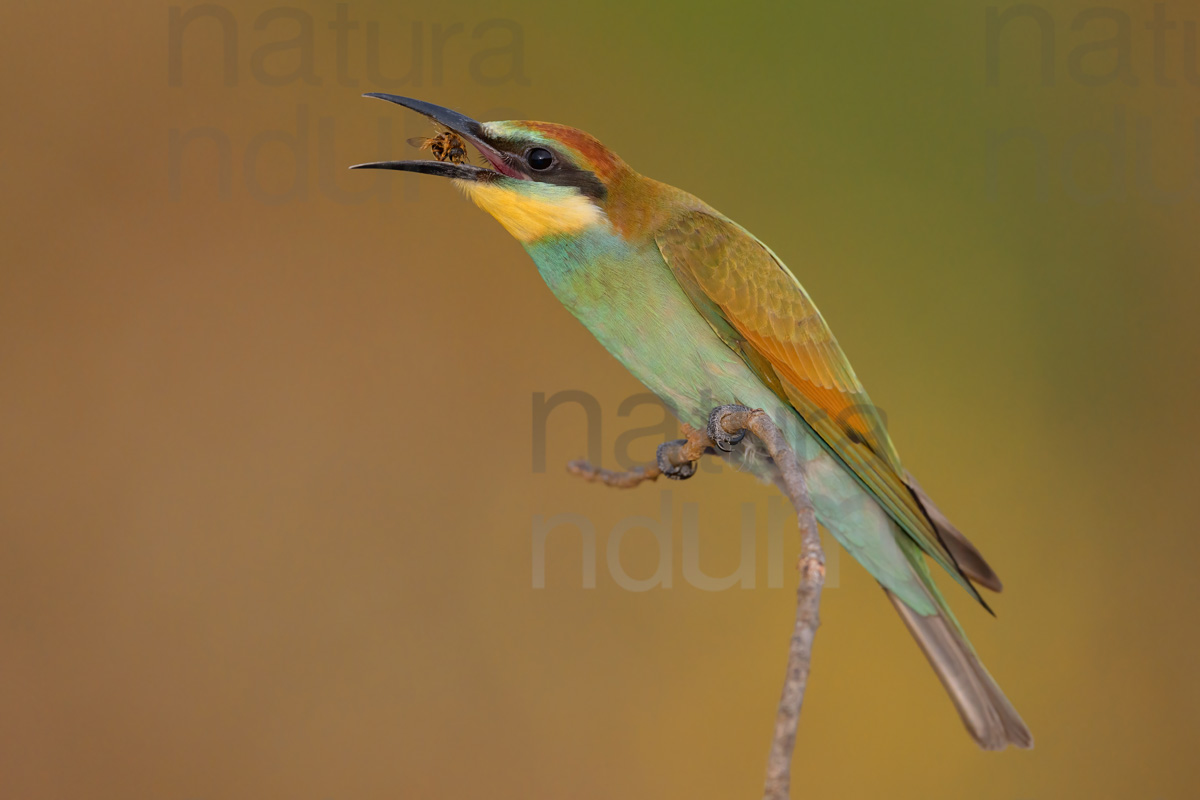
(671, 463)
(722, 438)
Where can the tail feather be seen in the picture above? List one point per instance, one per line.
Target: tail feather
(988, 715)
(965, 554)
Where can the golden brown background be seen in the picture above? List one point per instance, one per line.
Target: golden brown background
(266, 489)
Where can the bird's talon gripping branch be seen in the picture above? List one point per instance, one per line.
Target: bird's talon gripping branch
(671, 461)
(675, 459)
(717, 431)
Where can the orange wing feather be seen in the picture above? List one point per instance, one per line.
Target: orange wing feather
(759, 308)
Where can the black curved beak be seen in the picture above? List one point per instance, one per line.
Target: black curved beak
(461, 124)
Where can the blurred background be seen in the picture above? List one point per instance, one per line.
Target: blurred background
(268, 501)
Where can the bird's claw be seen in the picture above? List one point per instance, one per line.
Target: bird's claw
(667, 465)
(716, 431)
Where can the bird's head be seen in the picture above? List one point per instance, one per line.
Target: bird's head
(542, 179)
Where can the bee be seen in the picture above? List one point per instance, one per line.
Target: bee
(446, 146)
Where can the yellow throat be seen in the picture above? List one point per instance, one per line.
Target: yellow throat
(529, 217)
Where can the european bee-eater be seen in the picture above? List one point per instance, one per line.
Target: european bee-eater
(704, 314)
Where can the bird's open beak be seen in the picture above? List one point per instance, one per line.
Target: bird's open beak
(460, 124)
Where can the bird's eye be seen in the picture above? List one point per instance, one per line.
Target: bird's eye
(540, 158)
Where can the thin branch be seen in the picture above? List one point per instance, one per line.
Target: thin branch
(725, 427)
(679, 453)
(617, 480)
(808, 603)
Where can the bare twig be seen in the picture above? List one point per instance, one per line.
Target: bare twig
(678, 452)
(724, 428)
(617, 480)
(808, 602)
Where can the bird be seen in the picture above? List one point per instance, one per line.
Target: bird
(703, 313)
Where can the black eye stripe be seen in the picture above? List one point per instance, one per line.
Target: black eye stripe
(560, 171)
